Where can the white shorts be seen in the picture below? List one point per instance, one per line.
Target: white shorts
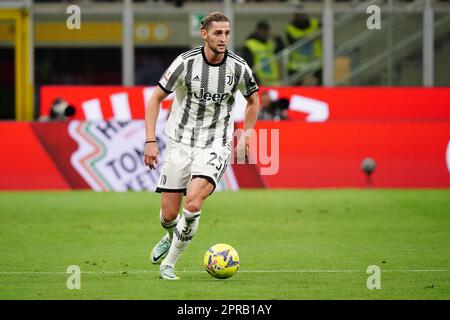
(183, 163)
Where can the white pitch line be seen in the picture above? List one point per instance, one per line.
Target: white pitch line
(201, 271)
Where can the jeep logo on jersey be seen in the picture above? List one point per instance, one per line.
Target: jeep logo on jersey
(216, 97)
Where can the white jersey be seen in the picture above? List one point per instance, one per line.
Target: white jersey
(204, 96)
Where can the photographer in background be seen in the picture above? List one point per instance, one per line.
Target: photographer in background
(60, 111)
(272, 109)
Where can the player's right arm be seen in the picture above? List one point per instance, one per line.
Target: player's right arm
(151, 115)
(168, 83)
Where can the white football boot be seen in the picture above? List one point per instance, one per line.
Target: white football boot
(167, 272)
(161, 249)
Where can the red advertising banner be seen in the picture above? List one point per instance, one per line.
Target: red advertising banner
(307, 104)
(375, 104)
(25, 164)
(328, 155)
(107, 156)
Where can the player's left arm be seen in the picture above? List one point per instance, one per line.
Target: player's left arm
(251, 115)
(249, 88)
(251, 112)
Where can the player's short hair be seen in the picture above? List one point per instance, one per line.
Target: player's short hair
(213, 16)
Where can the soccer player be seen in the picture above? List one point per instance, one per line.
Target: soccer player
(200, 130)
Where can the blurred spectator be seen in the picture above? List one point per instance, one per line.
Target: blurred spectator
(260, 49)
(272, 109)
(301, 27)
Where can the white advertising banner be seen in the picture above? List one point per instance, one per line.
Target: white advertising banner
(110, 156)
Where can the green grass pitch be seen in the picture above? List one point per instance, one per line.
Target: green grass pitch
(296, 244)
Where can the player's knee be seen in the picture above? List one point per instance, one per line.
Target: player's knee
(169, 214)
(193, 203)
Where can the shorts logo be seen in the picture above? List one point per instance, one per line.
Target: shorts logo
(163, 179)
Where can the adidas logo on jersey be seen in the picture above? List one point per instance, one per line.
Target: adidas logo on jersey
(196, 78)
(216, 97)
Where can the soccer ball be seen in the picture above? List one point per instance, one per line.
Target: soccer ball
(221, 261)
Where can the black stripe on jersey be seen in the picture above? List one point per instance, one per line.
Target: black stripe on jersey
(183, 55)
(174, 76)
(187, 108)
(252, 92)
(237, 60)
(201, 105)
(237, 74)
(250, 84)
(192, 54)
(164, 89)
(217, 105)
(236, 57)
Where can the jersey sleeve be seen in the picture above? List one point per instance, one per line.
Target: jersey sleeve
(173, 76)
(247, 84)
